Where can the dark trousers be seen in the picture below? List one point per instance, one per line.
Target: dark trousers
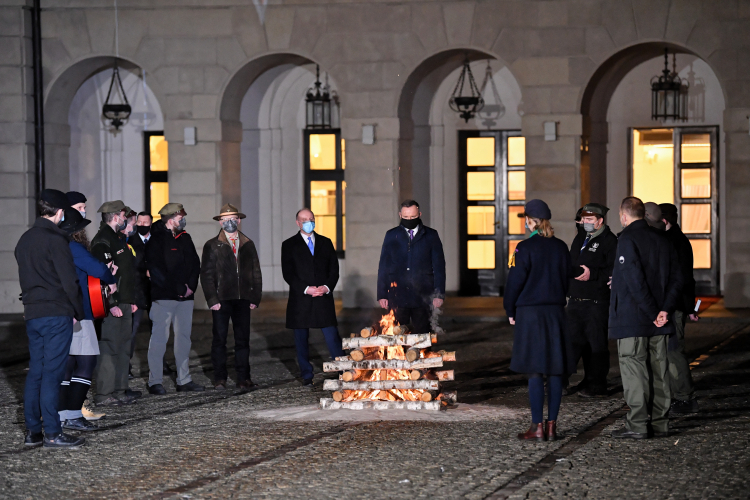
(114, 357)
(137, 317)
(49, 345)
(587, 324)
(239, 312)
(418, 317)
(680, 378)
(301, 336)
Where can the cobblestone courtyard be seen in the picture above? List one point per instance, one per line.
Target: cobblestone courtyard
(273, 443)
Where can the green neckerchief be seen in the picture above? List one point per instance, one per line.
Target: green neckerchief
(598, 232)
(533, 233)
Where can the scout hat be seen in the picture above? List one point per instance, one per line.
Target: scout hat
(172, 209)
(54, 198)
(537, 209)
(229, 209)
(129, 212)
(74, 198)
(111, 207)
(74, 221)
(669, 212)
(594, 209)
(653, 215)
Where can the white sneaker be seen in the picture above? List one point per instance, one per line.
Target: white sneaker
(90, 415)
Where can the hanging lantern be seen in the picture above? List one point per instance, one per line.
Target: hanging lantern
(116, 113)
(466, 105)
(490, 113)
(318, 103)
(668, 93)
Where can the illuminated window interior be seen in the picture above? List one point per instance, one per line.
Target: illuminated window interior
(343, 210)
(516, 224)
(480, 152)
(512, 244)
(323, 151)
(343, 154)
(516, 151)
(516, 185)
(653, 165)
(701, 254)
(480, 220)
(696, 218)
(696, 182)
(480, 186)
(159, 197)
(696, 148)
(159, 154)
(323, 205)
(481, 254)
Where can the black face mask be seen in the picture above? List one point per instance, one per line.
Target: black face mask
(143, 230)
(411, 223)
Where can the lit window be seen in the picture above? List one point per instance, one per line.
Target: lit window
(517, 185)
(481, 254)
(323, 205)
(696, 218)
(696, 182)
(480, 152)
(480, 186)
(516, 151)
(696, 148)
(322, 152)
(324, 180)
(653, 165)
(701, 254)
(159, 154)
(481, 220)
(156, 178)
(159, 197)
(516, 224)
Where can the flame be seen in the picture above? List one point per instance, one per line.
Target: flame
(394, 285)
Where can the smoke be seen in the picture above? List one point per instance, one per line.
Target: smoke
(435, 315)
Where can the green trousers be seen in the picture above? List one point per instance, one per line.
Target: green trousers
(114, 355)
(680, 378)
(645, 382)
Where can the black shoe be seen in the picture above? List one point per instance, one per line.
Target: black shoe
(190, 387)
(587, 393)
(133, 394)
(63, 440)
(308, 382)
(625, 433)
(130, 376)
(679, 407)
(127, 400)
(33, 439)
(248, 385)
(79, 424)
(110, 401)
(661, 434)
(157, 389)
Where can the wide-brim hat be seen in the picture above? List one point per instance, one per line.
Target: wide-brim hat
(74, 221)
(229, 209)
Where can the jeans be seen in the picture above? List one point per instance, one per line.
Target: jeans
(239, 312)
(49, 344)
(301, 336)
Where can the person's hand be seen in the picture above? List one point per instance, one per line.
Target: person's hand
(253, 306)
(661, 319)
(112, 267)
(312, 290)
(586, 274)
(189, 292)
(694, 317)
(321, 290)
(74, 321)
(512, 321)
(148, 274)
(133, 308)
(436, 302)
(116, 312)
(609, 283)
(383, 303)
(216, 307)
(112, 288)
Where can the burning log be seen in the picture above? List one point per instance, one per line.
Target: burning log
(362, 404)
(382, 364)
(366, 332)
(350, 375)
(433, 338)
(440, 375)
(357, 355)
(381, 385)
(420, 340)
(413, 354)
(450, 397)
(400, 330)
(446, 355)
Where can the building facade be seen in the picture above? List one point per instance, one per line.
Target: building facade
(567, 118)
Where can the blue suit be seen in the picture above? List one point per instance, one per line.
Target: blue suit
(411, 274)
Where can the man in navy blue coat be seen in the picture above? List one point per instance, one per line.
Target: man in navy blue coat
(411, 274)
(646, 284)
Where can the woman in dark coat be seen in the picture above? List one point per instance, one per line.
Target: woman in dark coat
(535, 296)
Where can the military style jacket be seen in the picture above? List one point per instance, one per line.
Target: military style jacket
(599, 256)
(107, 246)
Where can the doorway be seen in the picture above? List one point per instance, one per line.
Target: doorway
(492, 193)
(679, 165)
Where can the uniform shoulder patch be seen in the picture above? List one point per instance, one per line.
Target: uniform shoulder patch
(621, 259)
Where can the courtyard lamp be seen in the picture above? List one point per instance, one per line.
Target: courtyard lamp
(668, 92)
(318, 104)
(466, 105)
(116, 113)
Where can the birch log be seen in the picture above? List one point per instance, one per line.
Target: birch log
(357, 355)
(382, 364)
(366, 404)
(420, 340)
(366, 332)
(412, 354)
(383, 385)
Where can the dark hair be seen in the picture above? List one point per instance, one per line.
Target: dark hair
(409, 203)
(107, 217)
(81, 237)
(45, 209)
(633, 207)
(296, 217)
(145, 214)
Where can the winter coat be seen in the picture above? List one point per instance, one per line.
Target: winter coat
(107, 246)
(599, 257)
(224, 277)
(173, 264)
(684, 250)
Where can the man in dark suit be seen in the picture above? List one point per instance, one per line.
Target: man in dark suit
(137, 242)
(411, 274)
(311, 269)
(646, 283)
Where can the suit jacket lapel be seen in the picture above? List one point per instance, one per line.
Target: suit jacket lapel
(304, 248)
(417, 236)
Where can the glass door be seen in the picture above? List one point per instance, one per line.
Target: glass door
(492, 192)
(156, 175)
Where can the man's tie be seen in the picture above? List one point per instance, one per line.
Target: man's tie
(585, 242)
(411, 234)
(311, 246)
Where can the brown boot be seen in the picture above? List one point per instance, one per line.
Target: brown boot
(536, 431)
(551, 430)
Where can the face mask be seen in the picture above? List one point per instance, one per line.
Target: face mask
(411, 223)
(182, 224)
(579, 226)
(229, 226)
(83, 214)
(308, 226)
(143, 230)
(130, 233)
(61, 220)
(589, 227)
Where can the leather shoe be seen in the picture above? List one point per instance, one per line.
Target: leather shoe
(551, 430)
(79, 424)
(679, 407)
(220, 385)
(535, 432)
(63, 440)
(626, 433)
(110, 401)
(588, 393)
(246, 384)
(33, 439)
(661, 434)
(133, 394)
(308, 382)
(190, 387)
(157, 389)
(127, 400)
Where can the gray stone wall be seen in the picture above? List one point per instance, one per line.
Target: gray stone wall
(194, 54)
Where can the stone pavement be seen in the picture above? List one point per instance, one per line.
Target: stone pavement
(275, 443)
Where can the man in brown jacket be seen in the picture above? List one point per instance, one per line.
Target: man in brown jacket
(232, 284)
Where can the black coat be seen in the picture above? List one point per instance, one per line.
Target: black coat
(224, 277)
(47, 274)
(143, 297)
(684, 250)
(646, 280)
(416, 267)
(301, 269)
(107, 246)
(599, 257)
(172, 263)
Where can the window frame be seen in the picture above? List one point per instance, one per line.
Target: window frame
(150, 176)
